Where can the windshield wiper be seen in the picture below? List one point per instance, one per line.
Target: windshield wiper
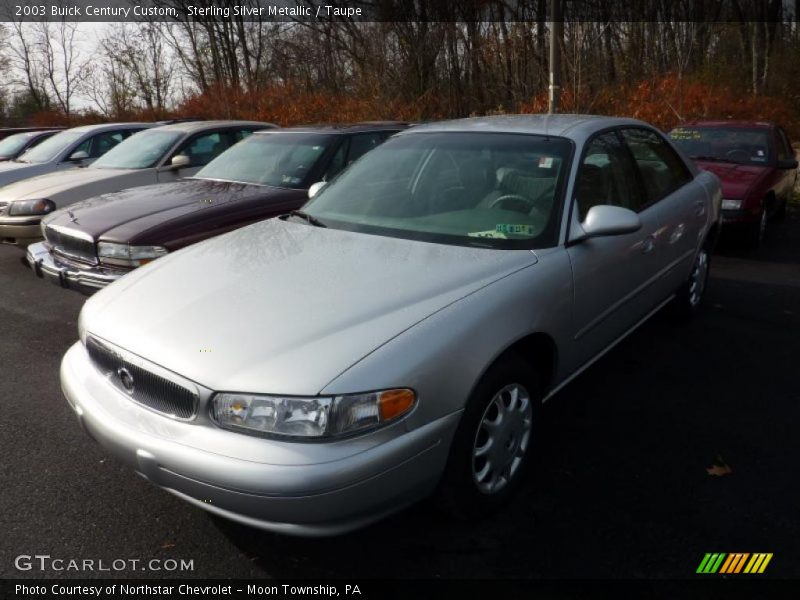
(310, 219)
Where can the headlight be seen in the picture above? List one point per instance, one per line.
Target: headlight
(128, 256)
(22, 208)
(731, 204)
(315, 417)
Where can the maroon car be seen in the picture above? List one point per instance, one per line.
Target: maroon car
(92, 243)
(755, 163)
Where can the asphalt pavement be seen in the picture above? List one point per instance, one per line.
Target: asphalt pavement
(620, 487)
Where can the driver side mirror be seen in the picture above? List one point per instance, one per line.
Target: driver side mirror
(605, 220)
(315, 189)
(180, 161)
(789, 163)
(78, 156)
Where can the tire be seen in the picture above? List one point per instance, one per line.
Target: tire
(472, 486)
(780, 214)
(690, 296)
(758, 230)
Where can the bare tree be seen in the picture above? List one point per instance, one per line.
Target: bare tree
(62, 62)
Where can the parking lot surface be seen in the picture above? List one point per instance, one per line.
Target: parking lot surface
(620, 486)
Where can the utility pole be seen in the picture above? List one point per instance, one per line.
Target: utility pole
(556, 33)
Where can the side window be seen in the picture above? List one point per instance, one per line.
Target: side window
(661, 168)
(362, 143)
(85, 146)
(204, 148)
(105, 142)
(606, 176)
(337, 162)
(240, 134)
(784, 148)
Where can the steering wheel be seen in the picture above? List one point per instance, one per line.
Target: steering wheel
(738, 152)
(497, 201)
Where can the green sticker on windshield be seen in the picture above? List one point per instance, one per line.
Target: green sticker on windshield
(503, 230)
(514, 229)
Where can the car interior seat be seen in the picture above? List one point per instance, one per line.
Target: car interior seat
(591, 188)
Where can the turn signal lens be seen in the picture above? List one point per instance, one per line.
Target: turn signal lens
(394, 403)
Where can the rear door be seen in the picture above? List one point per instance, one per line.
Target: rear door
(674, 205)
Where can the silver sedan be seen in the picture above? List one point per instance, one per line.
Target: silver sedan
(397, 337)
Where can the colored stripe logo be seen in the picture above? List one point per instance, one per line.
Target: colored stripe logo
(733, 563)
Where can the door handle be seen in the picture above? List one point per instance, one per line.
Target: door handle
(648, 244)
(700, 208)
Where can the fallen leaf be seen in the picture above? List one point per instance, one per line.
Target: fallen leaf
(719, 468)
(167, 545)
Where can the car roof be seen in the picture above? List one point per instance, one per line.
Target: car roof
(730, 123)
(106, 126)
(193, 126)
(31, 134)
(561, 125)
(346, 128)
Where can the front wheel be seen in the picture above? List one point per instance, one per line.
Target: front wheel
(758, 229)
(494, 440)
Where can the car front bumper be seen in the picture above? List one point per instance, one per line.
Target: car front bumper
(20, 231)
(86, 280)
(320, 491)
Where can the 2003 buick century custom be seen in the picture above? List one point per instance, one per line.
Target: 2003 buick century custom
(397, 337)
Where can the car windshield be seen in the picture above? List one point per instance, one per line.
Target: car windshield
(728, 144)
(283, 159)
(140, 151)
(493, 190)
(14, 143)
(50, 148)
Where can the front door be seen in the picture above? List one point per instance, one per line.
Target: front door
(613, 276)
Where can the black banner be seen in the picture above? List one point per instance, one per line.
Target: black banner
(406, 589)
(398, 10)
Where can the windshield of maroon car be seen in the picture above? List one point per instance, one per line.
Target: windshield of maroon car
(50, 148)
(140, 151)
(741, 145)
(496, 190)
(276, 159)
(14, 143)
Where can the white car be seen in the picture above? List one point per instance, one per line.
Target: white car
(76, 147)
(159, 155)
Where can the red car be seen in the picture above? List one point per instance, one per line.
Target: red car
(755, 163)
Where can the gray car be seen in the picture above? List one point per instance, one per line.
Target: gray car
(76, 147)
(397, 337)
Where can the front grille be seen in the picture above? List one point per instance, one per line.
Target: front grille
(149, 389)
(70, 245)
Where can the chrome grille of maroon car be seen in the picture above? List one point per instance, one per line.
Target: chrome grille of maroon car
(145, 387)
(70, 246)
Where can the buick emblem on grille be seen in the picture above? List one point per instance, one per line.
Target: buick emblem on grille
(126, 379)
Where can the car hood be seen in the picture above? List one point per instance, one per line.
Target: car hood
(736, 180)
(53, 184)
(283, 307)
(11, 171)
(121, 216)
